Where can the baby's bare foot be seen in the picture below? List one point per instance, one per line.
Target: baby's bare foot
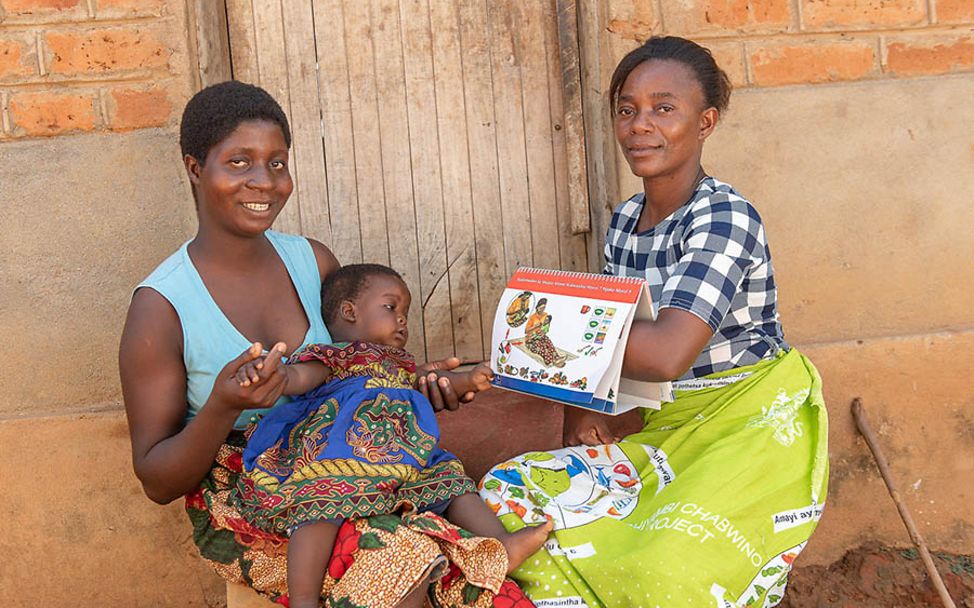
(522, 544)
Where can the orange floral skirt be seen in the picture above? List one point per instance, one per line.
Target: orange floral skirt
(376, 561)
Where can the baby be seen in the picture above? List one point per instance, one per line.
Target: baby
(359, 440)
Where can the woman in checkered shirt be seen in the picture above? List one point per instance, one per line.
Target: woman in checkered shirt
(718, 493)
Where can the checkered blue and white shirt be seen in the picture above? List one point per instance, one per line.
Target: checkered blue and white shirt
(710, 257)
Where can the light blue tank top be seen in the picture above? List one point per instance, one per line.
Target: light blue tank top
(210, 341)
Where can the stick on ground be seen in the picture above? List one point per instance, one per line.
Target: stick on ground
(859, 413)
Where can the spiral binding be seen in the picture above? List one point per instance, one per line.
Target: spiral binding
(568, 274)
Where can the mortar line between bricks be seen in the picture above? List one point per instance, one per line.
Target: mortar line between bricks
(833, 35)
(39, 51)
(103, 107)
(85, 25)
(90, 81)
(746, 59)
(90, 5)
(931, 12)
(884, 78)
(881, 53)
(4, 110)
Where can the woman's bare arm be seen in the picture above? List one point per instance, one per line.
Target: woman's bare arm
(664, 349)
(657, 351)
(171, 458)
(327, 262)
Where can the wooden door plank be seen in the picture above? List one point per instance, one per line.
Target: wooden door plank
(243, 41)
(571, 87)
(212, 44)
(374, 233)
(271, 66)
(308, 164)
(574, 255)
(600, 143)
(482, 135)
(397, 175)
(421, 109)
(509, 114)
(529, 48)
(336, 124)
(455, 174)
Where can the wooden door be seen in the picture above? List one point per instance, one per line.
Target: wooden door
(432, 136)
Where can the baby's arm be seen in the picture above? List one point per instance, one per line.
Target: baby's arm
(301, 377)
(470, 381)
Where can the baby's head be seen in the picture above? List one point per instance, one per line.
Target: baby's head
(367, 302)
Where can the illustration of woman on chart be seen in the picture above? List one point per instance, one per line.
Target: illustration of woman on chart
(536, 336)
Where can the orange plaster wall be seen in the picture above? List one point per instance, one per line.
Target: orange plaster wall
(914, 389)
(77, 530)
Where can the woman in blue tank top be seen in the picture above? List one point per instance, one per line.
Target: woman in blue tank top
(192, 322)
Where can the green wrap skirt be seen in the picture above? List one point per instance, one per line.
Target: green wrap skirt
(708, 505)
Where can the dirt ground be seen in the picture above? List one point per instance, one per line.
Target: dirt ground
(881, 577)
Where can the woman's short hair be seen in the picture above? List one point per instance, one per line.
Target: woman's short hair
(714, 82)
(347, 283)
(216, 111)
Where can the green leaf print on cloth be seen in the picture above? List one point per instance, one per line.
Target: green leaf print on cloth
(708, 505)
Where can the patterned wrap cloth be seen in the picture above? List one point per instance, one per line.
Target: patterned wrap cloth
(365, 443)
(708, 505)
(362, 448)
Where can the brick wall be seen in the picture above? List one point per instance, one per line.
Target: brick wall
(95, 65)
(766, 43)
(69, 66)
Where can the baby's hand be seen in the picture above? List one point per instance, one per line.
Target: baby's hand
(251, 380)
(249, 373)
(480, 377)
(465, 383)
